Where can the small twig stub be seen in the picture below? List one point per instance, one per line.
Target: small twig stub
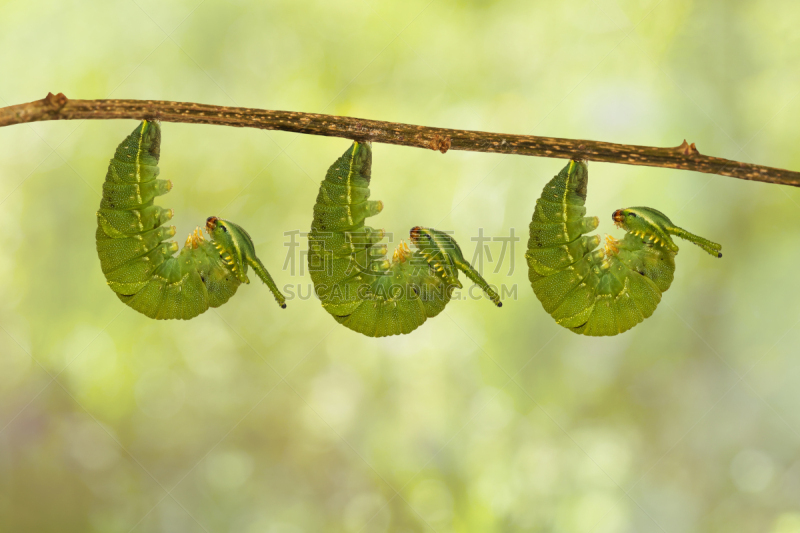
(688, 149)
(440, 143)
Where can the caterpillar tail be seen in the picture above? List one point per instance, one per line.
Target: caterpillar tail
(475, 276)
(261, 272)
(709, 246)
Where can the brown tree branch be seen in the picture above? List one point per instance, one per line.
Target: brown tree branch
(685, 156)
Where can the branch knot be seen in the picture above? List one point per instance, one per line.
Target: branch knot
(56, 101)
(688, 149)
(440, 143)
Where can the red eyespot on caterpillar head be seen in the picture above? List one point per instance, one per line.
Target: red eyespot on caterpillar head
(211, 224)
(414, 234)
(618, 217)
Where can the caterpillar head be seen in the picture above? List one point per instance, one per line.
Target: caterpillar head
(435, 243)
(650, 225)
(654, 227)
(439, 249)
(233, 243)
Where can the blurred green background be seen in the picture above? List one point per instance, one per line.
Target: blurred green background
(252, 419)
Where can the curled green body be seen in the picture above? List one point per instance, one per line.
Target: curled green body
(352, 275)
(139, 266)
(599, 291)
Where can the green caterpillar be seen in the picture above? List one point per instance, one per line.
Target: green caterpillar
(140, 267)
(602, 291)
(352, 276)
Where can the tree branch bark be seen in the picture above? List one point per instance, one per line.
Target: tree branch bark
(684, 157)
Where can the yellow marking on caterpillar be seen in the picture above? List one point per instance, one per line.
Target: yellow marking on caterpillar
(137, 166)
(349, 184)
(566, 191)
